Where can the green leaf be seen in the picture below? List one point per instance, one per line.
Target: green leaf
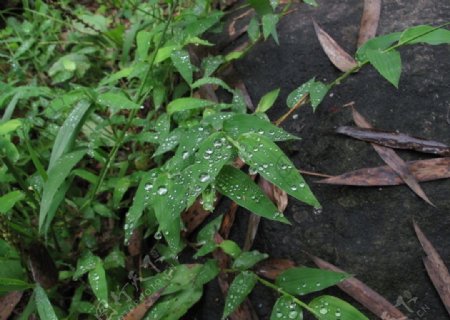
(85, 264)
(68, 132)
(253, 30)
(9, 126)
(230, 248)
(301, 281)
(175, 306)
(56, 177)
(312, 3)
(317, 92)
(239, 289)
(237, 186)
(115, 259)
(286, 309)
(248, 259)
(377, 43)
(262, 7)
(269, 25)
(210, 64)
(332, 308)
(211, 80)
(239, 124)
(266, 158)
(267, 101)
(425, 34)
(182, 104)
(116, 101)
(295, 96)
(45, 309)
(98, 283)
(8, 285)
(388, 64)
(8, 200)
(206, 237)
(143, 42)
(182, 61)
(121, 186)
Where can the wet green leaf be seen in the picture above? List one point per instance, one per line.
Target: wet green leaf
(44, 307)
(98, 283)
(266, 158)
(211, 80)
(8, 201)
(253, 30)
(230, 248)
(312, 3)
(262, 7)
(248, 259)
(388, 64)
(210, 64)
(332, 308)
(68, 132)
(182, 62)
(85, 264)
(239, 289)
(182, 104)
(295, 96)
(143, 42)
(239, 124)
(56, 176)
(267, 101)
(206, 237)
(317, 92)
(286, 309)
(237, 186)
(116, 101)
(301, 281)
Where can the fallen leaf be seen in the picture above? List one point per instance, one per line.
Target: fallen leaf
(139, 311)
(423, 170)
(272, 268)
(194, 216)
(42, 266)
(252, 230)
(8, 302)
(228, 220)
(436, 268)
(395, 140)
(392, 160)
(369, 21)
(359, 291)
(233, 34)
(341, 59)
(278, 196)
(240, 85)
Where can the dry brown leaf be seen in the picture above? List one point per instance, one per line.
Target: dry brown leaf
(436, 268)
(395, 140)
(272, 268)
(135, 243)
(194, 216)
(423, 170)
(228, 220)
(369, 21)
(359, 291)
(8, 302)
(278, 196)
(252, 230)
(240, 85)
(341, 59)
(232, 26)
(138, 312)
(393, 160)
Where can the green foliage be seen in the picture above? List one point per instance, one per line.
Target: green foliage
(107, 138)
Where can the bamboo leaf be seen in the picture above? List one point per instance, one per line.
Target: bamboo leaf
(98, 283)
(286, 309)
(425, 34)
(182, 104)
(45, 308)
(332, 308)
(239, 289)
(182, 62)
(387, 63)
(267, 101)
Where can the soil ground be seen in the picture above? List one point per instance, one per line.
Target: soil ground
(365, 231)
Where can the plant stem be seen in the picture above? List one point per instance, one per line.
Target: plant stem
(284, 293)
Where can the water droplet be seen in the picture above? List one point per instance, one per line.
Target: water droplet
(293, 188)
(148, 187)
(158, 235)
(185, 155)
(323, 310)
(204, 177)
(293, 314)
(162, 190)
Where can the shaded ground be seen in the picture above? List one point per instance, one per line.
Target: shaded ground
(365, 231)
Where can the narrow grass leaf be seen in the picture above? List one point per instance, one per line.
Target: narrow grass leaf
(239, 289)
(68, 132)
(9, 200)
(44, 307)
(286, 309)
(182, 104)
(59, 172)
(332, 308)
(387, 63)
(266, 158)
(301, 281)
(237, 186)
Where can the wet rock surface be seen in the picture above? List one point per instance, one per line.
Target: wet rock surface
(365, 231)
